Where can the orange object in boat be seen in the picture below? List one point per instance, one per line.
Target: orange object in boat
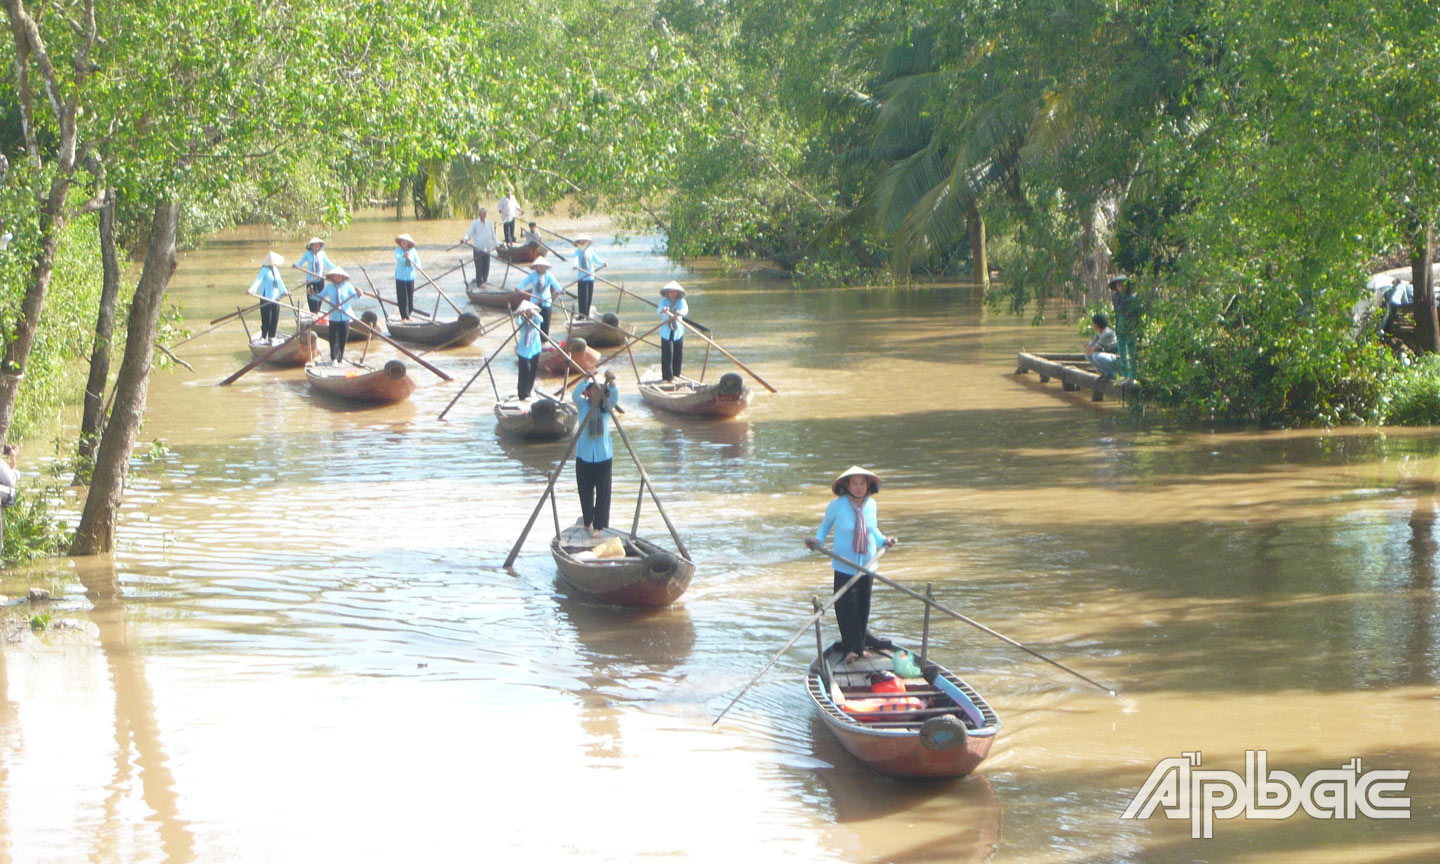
(886, 682)
(877, 707)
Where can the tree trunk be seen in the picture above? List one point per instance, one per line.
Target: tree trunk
(1427, 329)
(979, 259)
(93, 420)
(96, 532)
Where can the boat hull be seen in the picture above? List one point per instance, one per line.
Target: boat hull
(450, 334)
(900, 752)
(516, 419)
(355, 334)
(494, 298)
(650, 577)
(551, 363)
(518, 253)
(687, 396)
(352, 382)
(294, 351)
(602, 333)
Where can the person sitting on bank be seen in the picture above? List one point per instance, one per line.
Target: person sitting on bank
(1103, 346)
(335, 299)
(672, 310)
(588, 262)
(481, 238)
(314, 264)
(407, 261)
(269, 287)
(594, 454)
(527, 346)
(542, 289)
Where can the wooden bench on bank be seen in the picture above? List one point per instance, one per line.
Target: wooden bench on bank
(1075, 373)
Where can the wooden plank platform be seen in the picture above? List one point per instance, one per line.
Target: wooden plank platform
(1075, 373)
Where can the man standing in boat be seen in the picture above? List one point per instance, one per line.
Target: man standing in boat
(594, 454)
(509, 210)
(481, 239)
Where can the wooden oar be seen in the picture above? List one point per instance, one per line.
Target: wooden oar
(202, 333)
(643, 299)
(733, 359)
(561, 236)
(462, 335)
(236, 314)
(971, 621)
(548, 493)
(819, 613)
(266, 356)
(442, 294)
(378, 335)
(483, 367)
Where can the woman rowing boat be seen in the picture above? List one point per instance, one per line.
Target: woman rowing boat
(314, 263)
(269, 287)
(672, 310)
(594, 454)
(407, 261)
(857, 537)
(543, 290)
(527, 346)
(587, 261)
(336, 297)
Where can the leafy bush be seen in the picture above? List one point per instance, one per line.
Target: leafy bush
(1412, 394)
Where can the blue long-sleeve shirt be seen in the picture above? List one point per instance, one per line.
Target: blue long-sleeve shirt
(332, 297)
(406, 260)
(591, 448)
(527, 338)
(675, 330)
(587, 261)
(316, 263)
(268, 285)
(840, 515)
(545, 288)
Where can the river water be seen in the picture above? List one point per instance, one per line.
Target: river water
(305, 648)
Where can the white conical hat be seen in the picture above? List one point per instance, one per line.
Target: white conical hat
(838, 487)
(406, 237)
(336, 271)
(526, 307)
(583, 238)
(673, 286)
(539, 262)
(272, 260)
(312, 241)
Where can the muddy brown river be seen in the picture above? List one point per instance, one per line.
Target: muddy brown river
(305, 647)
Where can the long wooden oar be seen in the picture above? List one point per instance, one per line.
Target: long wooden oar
(483, 367)
(548, 493)
(561, 236)
(733, 359)
(201, 333)
(971, 621)
(443, 295)
(643, 299)
(236, 314)
(393, 344)
(236, 376)
(819, 613)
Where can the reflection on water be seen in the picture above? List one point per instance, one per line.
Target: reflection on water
(318, 657)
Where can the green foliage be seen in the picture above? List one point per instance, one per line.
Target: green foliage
(1412, 394)
(33, 529)
(40, 622)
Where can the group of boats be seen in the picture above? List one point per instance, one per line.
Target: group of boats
(930, 725)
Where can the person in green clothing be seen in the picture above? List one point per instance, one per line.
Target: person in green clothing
(1127, 323)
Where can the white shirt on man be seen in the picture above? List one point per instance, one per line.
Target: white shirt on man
(481, 235)
(509, 208)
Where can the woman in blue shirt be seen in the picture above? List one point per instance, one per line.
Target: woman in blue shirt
(588, 263)
(543, 290)
(527, 346)
(335, 298)
(857, 537)
(594, 454)
(407, 261)
(269, 288)
(672, 309)
(314, 263)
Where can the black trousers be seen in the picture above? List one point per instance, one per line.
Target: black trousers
(510, 231)
(545, 313)
(671, 353)
(585, 288)
(269, 318)
(339, 335)
(312, 295)
(482, 267)
(852, 612)
(528, 368)
(405, 296)
(593, 481)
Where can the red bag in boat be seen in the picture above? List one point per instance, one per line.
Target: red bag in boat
(885, 682)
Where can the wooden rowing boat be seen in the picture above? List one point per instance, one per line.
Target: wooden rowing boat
(646, 576)
(495, 298)
(295, 351)
(947, 738)
(354, 382)
(519, 253)
(356, 334)
(462, 331)
(536, 419)
(551, 363)
(606, 331)
(726, 398)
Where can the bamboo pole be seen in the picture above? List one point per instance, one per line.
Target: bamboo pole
(483, 367)
(549, 492)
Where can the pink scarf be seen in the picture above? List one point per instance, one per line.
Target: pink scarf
(861, 542)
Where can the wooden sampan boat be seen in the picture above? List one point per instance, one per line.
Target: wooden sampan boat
(542, 419)
(551, 363)
(519, 253)
(462, 331)
(945, 732)
(606, 331)
(684, 395)
(356, 334)
(354, 382)
(495, 298)
(646, 576)
(295, 350)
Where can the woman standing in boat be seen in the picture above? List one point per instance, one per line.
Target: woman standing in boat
(407, 261)
(269, 288)
(314, 263)
(542, 290)
(335, 298)
(527, 346)
(587, 262)
(857, 537)
(594, 454)
(672, 309)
